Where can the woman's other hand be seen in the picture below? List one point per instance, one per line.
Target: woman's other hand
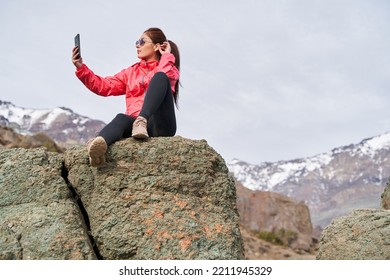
(164, 47)
(76, 58)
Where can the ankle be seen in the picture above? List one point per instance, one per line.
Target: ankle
(142, 118)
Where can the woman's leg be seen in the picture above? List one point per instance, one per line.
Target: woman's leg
(158, 108)
(120, 127)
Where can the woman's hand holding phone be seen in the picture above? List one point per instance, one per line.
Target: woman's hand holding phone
(76, 58)
(76, 53)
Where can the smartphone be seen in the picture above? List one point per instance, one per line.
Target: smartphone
(77, 44)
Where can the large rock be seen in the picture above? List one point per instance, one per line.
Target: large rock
(163, 198)
(364, 234)
(283, 217)
(39, 218)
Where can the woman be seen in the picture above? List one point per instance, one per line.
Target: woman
(151, 89)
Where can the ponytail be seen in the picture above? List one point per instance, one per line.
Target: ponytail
(176, 54)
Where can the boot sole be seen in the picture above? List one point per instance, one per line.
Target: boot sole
(140, 136)
(97, 151)
(139, 133)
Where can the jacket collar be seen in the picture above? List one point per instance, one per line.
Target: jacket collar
(148, 65)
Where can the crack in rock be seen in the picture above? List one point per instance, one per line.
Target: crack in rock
(83, 211)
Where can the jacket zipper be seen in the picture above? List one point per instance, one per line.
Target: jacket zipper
(147, 72)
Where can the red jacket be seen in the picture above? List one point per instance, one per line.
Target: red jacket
(132, 81)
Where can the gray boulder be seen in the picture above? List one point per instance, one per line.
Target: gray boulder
(39, 217)
(164, 198)
(364, 234)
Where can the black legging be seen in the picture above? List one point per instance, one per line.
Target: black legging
(158, 109)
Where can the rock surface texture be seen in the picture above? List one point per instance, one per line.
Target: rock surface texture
(364, 234)
(39, 217)
(163, 198)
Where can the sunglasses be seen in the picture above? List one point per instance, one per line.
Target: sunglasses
(141, 42)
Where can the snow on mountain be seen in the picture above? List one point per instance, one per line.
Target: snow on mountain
(370, 146)
(268, 175)
(26, 118)
(62, 124)
(330, 183)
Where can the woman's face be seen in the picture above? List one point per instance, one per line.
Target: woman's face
(146, 49)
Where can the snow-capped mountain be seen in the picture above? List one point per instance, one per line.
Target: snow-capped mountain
(61, 124)
(332, 183)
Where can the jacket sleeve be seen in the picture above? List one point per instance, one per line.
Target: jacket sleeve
(167, 65)
(111, 85)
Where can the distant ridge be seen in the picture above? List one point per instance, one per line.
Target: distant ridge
(332, 183)
(61, 124)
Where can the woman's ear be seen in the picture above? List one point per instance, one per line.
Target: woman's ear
(156, 47)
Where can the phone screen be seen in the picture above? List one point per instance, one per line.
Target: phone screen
(77, 44)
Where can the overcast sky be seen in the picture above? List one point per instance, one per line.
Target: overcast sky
(263, 80)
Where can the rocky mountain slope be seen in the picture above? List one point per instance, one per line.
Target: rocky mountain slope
(260, 249)
(275, 217)
(61, 124)
(11, 139)
(332, 184)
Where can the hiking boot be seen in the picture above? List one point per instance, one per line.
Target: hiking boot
(97, 149)
(139, 128)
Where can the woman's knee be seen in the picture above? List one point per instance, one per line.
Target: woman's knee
(160, 76)
(120, 116)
